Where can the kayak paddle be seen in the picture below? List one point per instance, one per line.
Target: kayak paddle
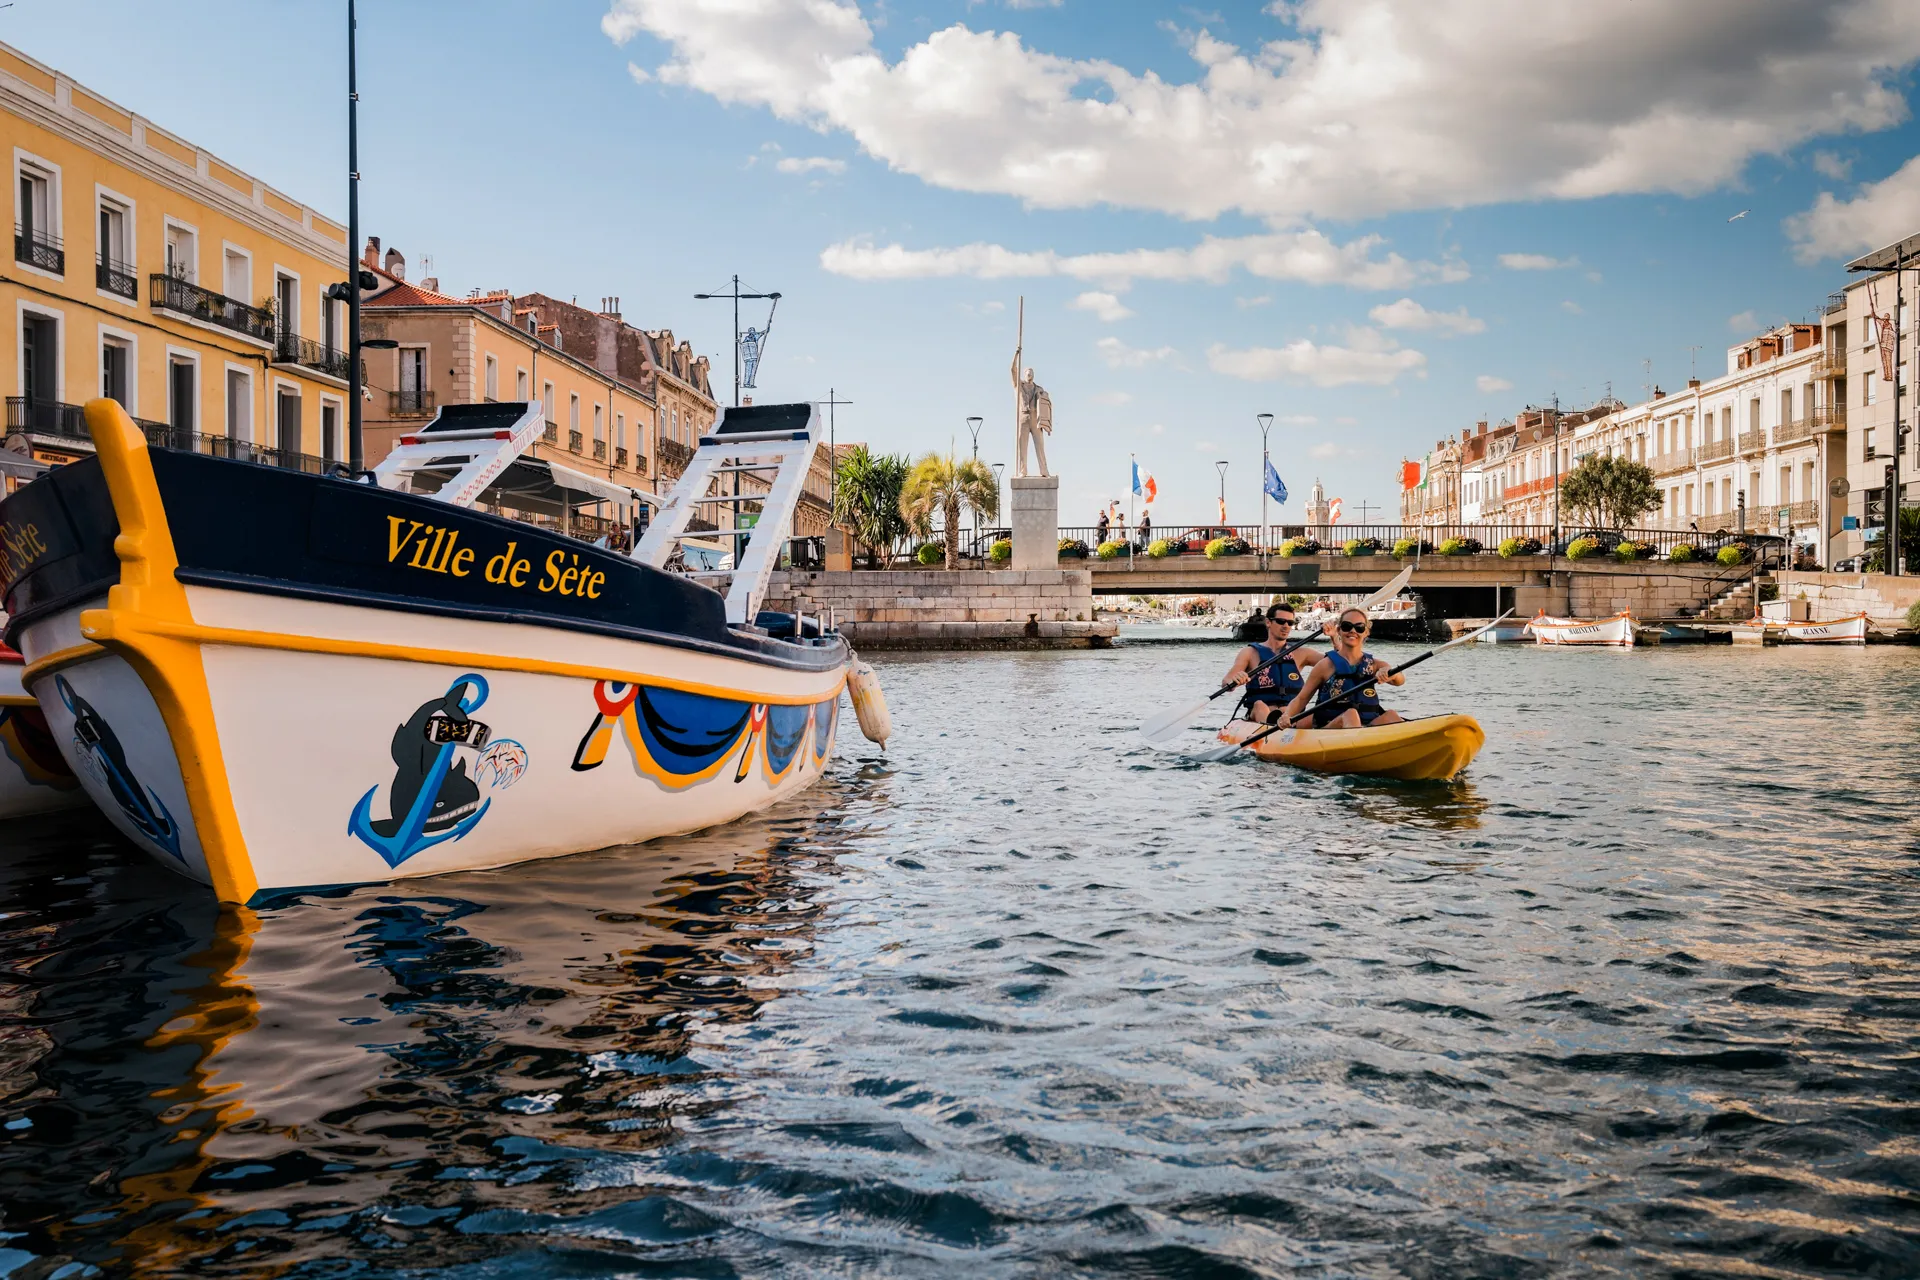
(1226, 751)
(1174, 720)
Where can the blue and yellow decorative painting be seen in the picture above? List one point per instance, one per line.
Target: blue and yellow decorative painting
(680, 739)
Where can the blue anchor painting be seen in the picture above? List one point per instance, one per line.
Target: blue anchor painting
(98, 749)
(432, 799)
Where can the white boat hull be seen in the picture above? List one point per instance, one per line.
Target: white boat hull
(1616, 631)
(1510, 632)
(1839, 631)
(34, 777)
(322, 752)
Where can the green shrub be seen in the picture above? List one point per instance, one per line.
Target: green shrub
(1734, 553)
(1520, 547)
(1628, 551)
(1406, 547)
(1682, 553)
(1461, 547)
(930, 553)
(1110, 550)
(1238, 546)
(1159, 549)
(1361, 546)
(1001, 551)
(1581, 548)
(1299, 547)
(1072, 549)
(1913, 616)
(1217, 548)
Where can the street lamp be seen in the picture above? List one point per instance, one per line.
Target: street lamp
(973, 425)
(1266, 424)
(1221, 467)
(999, 511)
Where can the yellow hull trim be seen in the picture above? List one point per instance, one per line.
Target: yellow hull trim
(1434, 748)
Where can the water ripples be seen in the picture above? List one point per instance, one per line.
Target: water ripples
(1636, 996)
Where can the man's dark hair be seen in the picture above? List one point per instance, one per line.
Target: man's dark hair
(1280, 605)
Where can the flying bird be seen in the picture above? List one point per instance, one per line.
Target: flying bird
(1736, 217)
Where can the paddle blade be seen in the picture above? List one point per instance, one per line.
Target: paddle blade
(1392, 589)
(1215, 755)
(1171, 722)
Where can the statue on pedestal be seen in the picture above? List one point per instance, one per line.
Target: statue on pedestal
(1032, 409)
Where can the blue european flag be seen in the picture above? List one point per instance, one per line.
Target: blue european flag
(1276, 488)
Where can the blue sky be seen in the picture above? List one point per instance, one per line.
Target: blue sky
(1379, 222)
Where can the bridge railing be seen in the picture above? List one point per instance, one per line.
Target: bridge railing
(1768, 548)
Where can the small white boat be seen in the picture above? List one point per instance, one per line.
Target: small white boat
(271, 680)
(1616, 631)
(34, 777)
(1402, 618)
(1851, 630)
(1508, 631)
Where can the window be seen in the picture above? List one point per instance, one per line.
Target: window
(1726, 494)
(413, 379)
(520, 385)
(330, 326)
(287, 420)
(182, 394)
(329, 430)
(619, 430)
(1786, 485)
(239, 405)
(36, 219)
(1871, 394)
(493, 379)
(113, 267)
(236, 275)
(116, 370)
(546, 400)
(39, 358)
(1726, 422)
(1786, 406)
(599, 423)
(182, 253)
(1866, 441)
(286, 304)
(1806, 482)
(573, 412)
(1753, 414)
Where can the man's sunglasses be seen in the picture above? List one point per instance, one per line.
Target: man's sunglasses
(1279, 622)
(1353, 628)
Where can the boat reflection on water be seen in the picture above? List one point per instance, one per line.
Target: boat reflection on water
(358, 1068)
(1422, 806)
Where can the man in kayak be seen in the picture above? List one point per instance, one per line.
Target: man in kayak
(1271, 687)
(1347, 667)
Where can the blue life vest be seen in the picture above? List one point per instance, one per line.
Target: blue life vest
(1347, 676)
(1276, 685)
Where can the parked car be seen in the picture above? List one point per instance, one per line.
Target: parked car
(982, 543)
(1196, 539)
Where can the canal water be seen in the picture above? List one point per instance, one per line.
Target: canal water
(1637, 996)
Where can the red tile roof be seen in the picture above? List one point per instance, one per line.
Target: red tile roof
(403, 294)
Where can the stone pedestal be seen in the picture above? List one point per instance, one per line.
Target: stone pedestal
(1036, 522)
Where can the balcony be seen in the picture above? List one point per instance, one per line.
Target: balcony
(36, 248)
(1832, 362)
(1676, 460)
(573, 442)
(1714, 450)
(291, 348)
(619, 457)
(410, 402)
(162, 436)
(599, 450)
(46, 418)
(1515, 492)
(674, 456)
(116, 278)
(1752, 441)
(552, 433)
(189, 300)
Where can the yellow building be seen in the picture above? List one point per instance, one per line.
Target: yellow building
(147, 270)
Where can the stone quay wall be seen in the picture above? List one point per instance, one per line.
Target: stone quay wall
(1666, 592)
(961, 609)
(1885, 600)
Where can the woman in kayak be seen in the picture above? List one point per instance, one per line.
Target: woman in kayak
(1347, 667)
(1271, 687)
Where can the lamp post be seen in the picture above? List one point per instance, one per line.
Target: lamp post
(973, 425)
(356, 447)
(999, 512)
(1221, 467)
(1266, 424)
(737, 296)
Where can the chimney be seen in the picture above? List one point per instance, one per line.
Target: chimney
(1693, 384)
(371, 257)
(431, 284)
(1481, 427)
(396, 265)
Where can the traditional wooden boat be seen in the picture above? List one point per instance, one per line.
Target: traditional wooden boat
(34, 777)
(1616, 631)
(1436, 747)
(1851, 630)
(1402, 618)
(1506, 631)
(268, 679)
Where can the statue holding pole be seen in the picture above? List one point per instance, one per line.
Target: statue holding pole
(1032, 408)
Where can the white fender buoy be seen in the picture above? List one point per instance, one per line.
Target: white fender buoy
(869, 704)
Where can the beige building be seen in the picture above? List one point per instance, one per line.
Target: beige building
(1868, 396)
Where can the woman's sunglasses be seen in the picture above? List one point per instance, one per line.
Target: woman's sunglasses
(1353, 628)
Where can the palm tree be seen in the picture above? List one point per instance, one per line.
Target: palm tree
(867, 498)
(942, 485)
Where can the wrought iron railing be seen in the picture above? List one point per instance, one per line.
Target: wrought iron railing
(551, 433)
(116, 278)
(1333, 538)
(674, 456)
(163, 436)
(36, 248)
(600, 450)
(46, 417)
(1714, 450)
(620, 457)
(573, 442)
(1752, 441)
(1672, 461)
(410, 402)
(1832, 362)
(183, 297)
(291, 348)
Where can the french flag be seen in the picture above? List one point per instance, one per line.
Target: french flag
(1144, 487)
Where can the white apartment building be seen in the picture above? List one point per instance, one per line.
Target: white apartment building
(1868, 396)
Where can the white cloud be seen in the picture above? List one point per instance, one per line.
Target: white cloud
(1298, 419)
(1301, 254)
(1259, 301)
(1104, 305)
(1572, 308)
(809, 164)
(1830, 165)
(1879, 213)
(1362, 107)
(1408, 314)
(1118, 355)
(1534, 262)
(639, 73)
(1113, 399)
(1324, 451)
(1488, 384)
(1744, 322)
(1370, 358)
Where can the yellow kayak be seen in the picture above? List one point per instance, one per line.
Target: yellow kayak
(1436, 747)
